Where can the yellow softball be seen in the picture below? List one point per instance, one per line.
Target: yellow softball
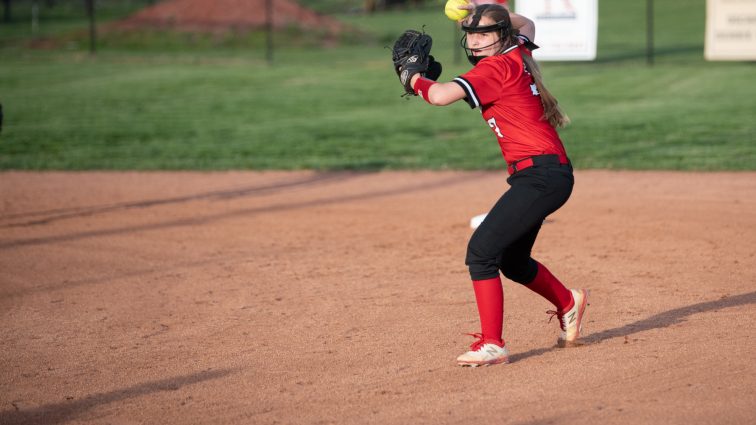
(453, 11)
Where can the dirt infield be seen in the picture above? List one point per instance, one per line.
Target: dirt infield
(309, 298)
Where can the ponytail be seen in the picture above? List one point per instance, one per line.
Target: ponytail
(551, 110)
(509, 36)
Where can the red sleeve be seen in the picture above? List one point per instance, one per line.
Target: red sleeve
(483, 83)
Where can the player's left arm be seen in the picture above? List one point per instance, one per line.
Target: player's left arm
(439, 94)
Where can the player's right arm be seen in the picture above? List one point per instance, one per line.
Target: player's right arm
(524, 25)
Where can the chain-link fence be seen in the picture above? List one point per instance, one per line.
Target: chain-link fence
(628, 30)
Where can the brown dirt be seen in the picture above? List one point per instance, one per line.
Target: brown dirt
(205, 15)
(303, 298)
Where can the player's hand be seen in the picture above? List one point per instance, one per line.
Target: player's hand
(434, 69)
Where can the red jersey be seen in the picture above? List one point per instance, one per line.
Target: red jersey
(506, 93)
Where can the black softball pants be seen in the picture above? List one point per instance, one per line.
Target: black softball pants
(503, 240)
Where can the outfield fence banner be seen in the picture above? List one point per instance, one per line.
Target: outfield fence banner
(566, 30)
(730, 30)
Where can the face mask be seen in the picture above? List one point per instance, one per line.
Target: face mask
(469, 52)
(473, 26)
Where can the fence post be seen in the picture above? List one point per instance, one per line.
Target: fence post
(650, 32)
(35, 18)
(455, 48)
(6, 10)
(269, 30)
(92, 31)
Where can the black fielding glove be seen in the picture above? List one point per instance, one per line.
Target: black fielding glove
(411, 55)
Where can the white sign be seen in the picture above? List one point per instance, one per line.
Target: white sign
(565, 29)
(730, 30)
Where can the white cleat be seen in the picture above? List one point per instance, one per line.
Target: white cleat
(571, 322)
(483, 354)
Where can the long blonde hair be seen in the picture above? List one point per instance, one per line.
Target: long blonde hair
(551, 110)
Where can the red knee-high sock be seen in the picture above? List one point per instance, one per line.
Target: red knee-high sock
(490, 298)
(549, 287)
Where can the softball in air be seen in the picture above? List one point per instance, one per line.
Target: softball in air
(453, 12)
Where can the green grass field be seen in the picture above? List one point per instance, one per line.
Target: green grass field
(183, 104)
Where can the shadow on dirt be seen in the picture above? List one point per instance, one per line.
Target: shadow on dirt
(34, 218)
(661, 320)
(56, 413)
(287, 206)
(68, 283)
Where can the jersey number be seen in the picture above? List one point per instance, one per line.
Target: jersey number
(533, 87)
(494, 127)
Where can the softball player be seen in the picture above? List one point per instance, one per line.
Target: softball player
(506, 85)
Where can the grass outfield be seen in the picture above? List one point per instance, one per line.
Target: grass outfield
(339, 108)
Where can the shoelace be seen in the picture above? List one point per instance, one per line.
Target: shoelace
(560, 316)
(475, 346)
